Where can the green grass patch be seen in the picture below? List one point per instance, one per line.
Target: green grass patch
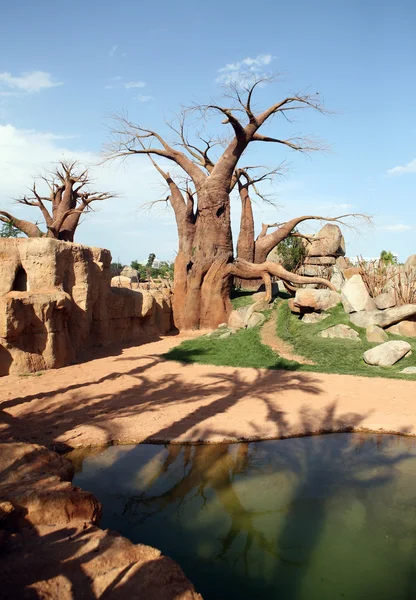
(241, 298)
(335, 355)
(244, 348)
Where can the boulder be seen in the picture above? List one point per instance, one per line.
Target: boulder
(120, 281)
(409, 371)
(340, 331)
(255, 319)
(329, 241)
(385, 300)
(383, 318)
(410, 262)
(313, 271)
(316, 300)
(324, 261)
(314, 317)
(341, 262)
(404, 328)
(350, 272)
(132, 274)
(374, 333)
(355, 296)
(237, 318)
(337, 278)
(36, 482)
(386, 354)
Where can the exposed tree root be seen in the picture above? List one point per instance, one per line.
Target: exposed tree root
(246, 270)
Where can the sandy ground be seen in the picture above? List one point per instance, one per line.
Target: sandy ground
(134, 395)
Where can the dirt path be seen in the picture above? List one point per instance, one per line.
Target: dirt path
(134, 395)
(270, 338)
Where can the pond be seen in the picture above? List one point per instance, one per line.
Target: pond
(312, 518)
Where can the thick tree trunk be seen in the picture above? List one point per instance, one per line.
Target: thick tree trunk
(202, 279)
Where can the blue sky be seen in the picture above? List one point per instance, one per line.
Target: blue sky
(65, 68)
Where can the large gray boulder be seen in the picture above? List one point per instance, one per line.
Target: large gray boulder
(316, 300)
(386, 354)
(340, 331)
(355, 296)
(329, 241)
(383, 318)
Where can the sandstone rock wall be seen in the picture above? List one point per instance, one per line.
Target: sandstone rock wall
(56, 301)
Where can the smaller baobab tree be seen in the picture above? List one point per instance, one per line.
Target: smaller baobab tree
(68, 199)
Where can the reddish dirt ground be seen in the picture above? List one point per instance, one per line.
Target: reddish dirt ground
(134, 395)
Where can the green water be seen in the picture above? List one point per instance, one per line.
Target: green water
(314, 518)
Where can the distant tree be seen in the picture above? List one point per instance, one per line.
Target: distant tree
(69, 198)
(150, 260)
(8, 230)
(291, 252)
(388, 258)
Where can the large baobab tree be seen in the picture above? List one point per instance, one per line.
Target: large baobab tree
(68, 198)
(205, 264)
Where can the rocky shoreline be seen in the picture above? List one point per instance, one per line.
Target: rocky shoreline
(51, 545)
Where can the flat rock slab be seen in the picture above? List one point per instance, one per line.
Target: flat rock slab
(341, 331)
(314, 317)
(383, 318)
(387, 354)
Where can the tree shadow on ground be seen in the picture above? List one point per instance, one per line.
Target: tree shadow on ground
(145, 397)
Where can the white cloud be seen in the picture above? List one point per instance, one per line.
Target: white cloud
(402, 170)
(398, 227)
(135, 84)
(144, 98)
(243, 70)
(32, 82)
(113, 50)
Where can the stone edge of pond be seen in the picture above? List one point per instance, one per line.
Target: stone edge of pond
(51, 545)
(213, 439)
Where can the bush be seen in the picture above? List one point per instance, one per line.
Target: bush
(292, 253)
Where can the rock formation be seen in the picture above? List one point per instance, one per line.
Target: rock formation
(324, 255)
(56, 301)
(50, 544)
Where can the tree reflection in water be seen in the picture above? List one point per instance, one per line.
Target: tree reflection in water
(297, 519)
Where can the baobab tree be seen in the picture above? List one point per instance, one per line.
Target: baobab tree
(205, 263)
(68, 199)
